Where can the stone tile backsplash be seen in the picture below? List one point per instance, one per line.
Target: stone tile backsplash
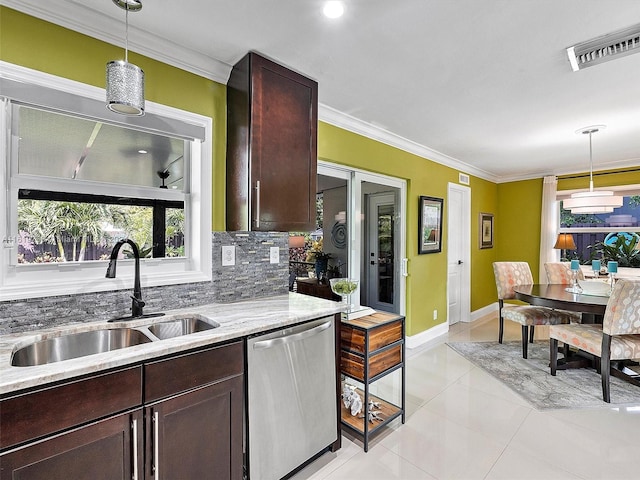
(252, 276)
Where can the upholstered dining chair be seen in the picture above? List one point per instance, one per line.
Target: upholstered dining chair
(560, 272)
(509, 275)
(618, 338)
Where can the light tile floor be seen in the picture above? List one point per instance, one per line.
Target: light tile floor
(464, 424)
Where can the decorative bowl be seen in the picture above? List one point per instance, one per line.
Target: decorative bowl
(343, 286)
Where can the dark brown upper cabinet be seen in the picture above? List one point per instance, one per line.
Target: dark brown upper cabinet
(272, 128)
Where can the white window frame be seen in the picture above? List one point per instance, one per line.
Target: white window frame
(68, 278)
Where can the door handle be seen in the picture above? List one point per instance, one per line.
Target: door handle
(291, 338)
(156, 446)
(257, 220)
(134, 434)
(460, 262)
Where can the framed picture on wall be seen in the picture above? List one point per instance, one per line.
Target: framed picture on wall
(430, 225)
(486, 230)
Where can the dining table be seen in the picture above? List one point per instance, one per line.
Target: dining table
(556, 296)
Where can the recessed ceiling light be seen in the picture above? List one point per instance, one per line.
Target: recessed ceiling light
(142, 151)
(333, 9)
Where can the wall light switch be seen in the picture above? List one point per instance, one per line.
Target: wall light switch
(228, 255)
(274, 255)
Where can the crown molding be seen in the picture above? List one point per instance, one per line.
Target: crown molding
(82, 19)
(334, 117)
(615, 165)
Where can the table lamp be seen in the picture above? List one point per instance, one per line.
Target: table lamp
(564, 242)
(296, 241)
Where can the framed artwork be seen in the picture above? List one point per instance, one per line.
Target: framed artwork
(486, 230)
(430, 225)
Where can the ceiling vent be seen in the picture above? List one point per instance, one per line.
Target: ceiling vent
(603, 49)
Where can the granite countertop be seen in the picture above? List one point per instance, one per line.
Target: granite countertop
(236, 320)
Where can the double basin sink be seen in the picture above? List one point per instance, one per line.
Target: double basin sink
(81, 344)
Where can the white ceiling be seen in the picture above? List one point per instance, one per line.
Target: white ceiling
(484, 86)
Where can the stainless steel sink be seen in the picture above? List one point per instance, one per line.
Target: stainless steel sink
(179, 327)
(77, 345)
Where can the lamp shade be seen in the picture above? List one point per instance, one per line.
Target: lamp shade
(125, 88)
(565, 242)
(296, 241)
(592, 201)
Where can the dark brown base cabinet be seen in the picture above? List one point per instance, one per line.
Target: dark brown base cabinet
(198, 434)
(185, 420)
(103, 450)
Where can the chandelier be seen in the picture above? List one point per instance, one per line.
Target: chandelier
(592, 201)
(125, 81)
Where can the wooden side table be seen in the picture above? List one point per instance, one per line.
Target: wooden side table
(311, 286)
(371, 348)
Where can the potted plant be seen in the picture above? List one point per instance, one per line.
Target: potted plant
(320, 258)
(623, 250)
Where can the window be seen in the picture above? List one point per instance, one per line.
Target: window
(592, 232)
(66, 227)
(77, 178)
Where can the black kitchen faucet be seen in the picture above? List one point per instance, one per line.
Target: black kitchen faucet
(136, 299)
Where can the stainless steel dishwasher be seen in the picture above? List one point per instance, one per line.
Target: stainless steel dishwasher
(292, 411)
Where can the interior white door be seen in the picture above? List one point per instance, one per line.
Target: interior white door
(458, 254)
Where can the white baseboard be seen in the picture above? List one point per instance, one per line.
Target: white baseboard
(484, 311)
(421, 338)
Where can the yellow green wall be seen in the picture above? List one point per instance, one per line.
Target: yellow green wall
(484, 199)
(39, 45)
(427, 282)
(518, 228)
(604, 178)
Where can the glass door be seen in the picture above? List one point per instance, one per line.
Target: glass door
(381, 268)
(363, 222)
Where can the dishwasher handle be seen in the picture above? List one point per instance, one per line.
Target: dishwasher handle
(292, 338)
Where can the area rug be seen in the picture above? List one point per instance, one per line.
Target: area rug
(530, 378)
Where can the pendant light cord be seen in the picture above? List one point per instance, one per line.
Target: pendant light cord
(126, 38)
(590, 162)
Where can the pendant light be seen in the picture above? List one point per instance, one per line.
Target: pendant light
(125, 81)
(592, 201)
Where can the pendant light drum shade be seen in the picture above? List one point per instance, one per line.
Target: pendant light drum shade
(125, 88)
(592, 201)
(125, 81)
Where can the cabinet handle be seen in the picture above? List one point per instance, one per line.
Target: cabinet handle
(134, 431)
(156, 446)
(291, 338)
(257, 203)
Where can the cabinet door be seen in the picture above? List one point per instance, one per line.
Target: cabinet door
(197, 435)
(283, 147)
(104, 450)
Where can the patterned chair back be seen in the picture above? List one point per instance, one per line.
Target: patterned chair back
(560, 272)
(509, 275)
(622, 316)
